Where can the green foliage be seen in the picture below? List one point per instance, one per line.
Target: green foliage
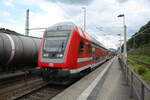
(144, 50)
(138, 47)
(142, 58)
(140, 38)
(8, 31)
(141, 70)
(145, 28)
(146, 76)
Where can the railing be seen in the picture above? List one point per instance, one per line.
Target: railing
(139, 90)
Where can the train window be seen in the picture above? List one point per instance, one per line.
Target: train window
(89, 48)
(81, 46)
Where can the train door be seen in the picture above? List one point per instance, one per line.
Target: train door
(93, 54)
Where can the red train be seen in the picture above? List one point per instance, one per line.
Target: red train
(66, 51)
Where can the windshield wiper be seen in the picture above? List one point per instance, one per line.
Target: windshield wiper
(61, 46)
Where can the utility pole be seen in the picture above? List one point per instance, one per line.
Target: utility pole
(125, 38)
(120, 44)
(84, 9)
(125, 42)
(27, 23)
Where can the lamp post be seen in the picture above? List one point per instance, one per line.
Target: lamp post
(125, 38)
(84, 9)
(120, 44)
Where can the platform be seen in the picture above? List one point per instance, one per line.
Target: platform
(114, 86)
(105, 83)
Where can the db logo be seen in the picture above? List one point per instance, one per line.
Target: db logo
(51, 64)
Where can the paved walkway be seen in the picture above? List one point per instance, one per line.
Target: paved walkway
(114, 86)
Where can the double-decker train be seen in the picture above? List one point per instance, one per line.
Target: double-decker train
(66, 51)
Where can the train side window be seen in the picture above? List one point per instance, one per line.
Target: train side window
(81, 47)
(89, 48)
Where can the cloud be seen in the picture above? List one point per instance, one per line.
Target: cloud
(122, 1)
(100, 13)
(15, 26)
(72, 2)
(8, 3)
(109, 41)
(6, 14)
(51, 14)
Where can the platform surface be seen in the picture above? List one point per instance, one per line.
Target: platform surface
(112, 87)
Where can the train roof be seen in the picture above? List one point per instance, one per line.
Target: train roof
(70, 26)
(96, 41)
(92, 39)
(61, 26)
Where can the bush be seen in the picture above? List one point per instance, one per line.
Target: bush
(141, 70)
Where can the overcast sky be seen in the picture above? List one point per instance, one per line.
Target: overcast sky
(100, 13)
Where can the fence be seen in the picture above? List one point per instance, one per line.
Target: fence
(139, 90)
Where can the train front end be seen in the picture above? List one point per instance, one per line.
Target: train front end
(52, 58)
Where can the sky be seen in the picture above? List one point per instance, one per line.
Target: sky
(101, 16)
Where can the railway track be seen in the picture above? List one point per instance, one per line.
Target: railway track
(18, 89)
(18, 83)
(31, 88)
(20, 86)
(140, 63)
(44, 93)
(7, 78)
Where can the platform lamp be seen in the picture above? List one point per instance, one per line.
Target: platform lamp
(125, 38)
(119, 45)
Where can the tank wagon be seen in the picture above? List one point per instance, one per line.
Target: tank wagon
(16, 50)
(66, 51)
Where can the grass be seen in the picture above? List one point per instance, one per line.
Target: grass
(142, 71)
(142, 58)
(141, 54)
(143, 50)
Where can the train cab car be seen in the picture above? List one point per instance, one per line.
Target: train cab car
(67, 50)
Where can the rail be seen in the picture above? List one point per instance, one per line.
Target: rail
(139, 89)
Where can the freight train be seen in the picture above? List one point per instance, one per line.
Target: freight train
(66, 51)
(17, 51)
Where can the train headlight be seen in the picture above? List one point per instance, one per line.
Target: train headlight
(45, 54)
(59, 55)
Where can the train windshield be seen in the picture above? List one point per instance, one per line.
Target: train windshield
(55, 41)
(55, 44)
